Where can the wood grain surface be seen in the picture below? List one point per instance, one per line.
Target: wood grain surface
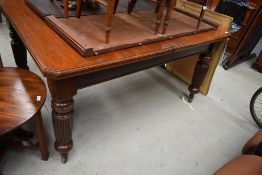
(22, 94)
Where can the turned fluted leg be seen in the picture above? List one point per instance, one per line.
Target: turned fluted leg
(62, 92)
(62, 117)
(201, 70)
(19, 49)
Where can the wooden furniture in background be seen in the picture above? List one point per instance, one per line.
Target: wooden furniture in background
(242, 43)
(77, 72)
(22, 96)
(129, 30)
(258, 64)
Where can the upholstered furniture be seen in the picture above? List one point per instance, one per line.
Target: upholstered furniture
(248, 164)
(243, 165)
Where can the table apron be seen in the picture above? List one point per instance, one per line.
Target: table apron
(115, 72)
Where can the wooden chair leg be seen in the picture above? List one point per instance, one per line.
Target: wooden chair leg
(131, 5)
(66, 8)
(159, 15)
(115, 6)
(168, 14)
(41, 136)
(109, 19)
(78, 8)
(202, 13)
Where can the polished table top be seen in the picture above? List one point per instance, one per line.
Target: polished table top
(56, 59)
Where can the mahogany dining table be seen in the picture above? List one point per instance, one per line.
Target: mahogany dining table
(67, 71)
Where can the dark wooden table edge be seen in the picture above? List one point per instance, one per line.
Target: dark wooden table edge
(81, 71)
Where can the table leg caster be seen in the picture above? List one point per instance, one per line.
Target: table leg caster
(190, 98)
(64, 158)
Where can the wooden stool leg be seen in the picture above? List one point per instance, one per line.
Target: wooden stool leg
(109, 19)
(66, 8)
(41, 136)
(168, 14)
(159, 15)
(131, 5)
